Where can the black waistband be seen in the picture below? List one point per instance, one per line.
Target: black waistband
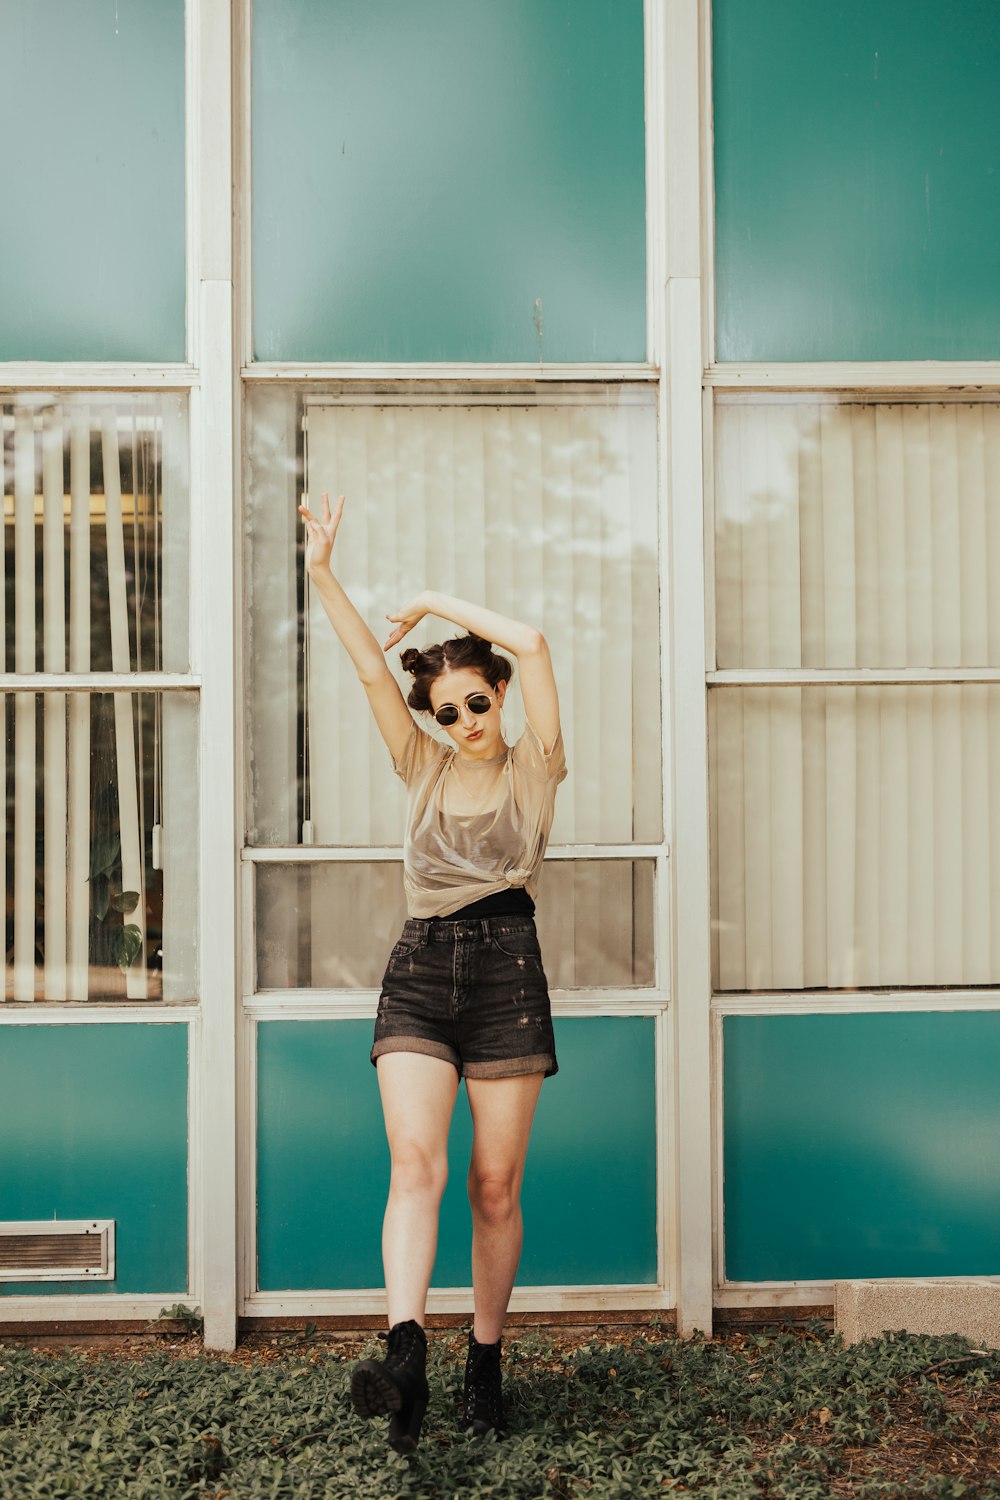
(514, 902)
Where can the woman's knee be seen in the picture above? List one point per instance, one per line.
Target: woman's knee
(418, 1168)
(494, 1196)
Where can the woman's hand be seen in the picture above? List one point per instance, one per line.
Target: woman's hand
(411, 614)
(321, 532)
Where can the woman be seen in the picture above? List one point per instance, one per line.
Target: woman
(464, 994)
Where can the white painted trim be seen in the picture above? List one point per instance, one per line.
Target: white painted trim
(98, 682)
(371, 1301)
(472, 373)
(31, 375)
(848, 676)
(344, 853)
(79, 1307)
(681, 454)
(774, 1294)
(886, 375)
(854, 1002)
(215, 539)
(500, 393)
(85, 1013)
(358, 1004)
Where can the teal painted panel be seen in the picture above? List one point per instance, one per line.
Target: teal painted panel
(92, 182)
(862, 1145)
(454, 180)
(93, 1120)
(589, 1197)
(857, 179)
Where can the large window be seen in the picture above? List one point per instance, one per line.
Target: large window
(101, 803)
(540, 502)
(855, 756)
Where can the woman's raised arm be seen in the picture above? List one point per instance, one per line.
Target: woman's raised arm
(528, 645)
(387, 702)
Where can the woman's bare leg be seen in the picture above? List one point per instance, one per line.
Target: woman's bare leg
(418, 1096)
(502, 1112)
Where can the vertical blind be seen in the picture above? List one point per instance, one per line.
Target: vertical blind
(86, 573)
(856, 830)
(545, 511)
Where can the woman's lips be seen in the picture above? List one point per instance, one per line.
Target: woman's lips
(476, 734)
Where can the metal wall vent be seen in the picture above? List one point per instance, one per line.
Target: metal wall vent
(57, 1250)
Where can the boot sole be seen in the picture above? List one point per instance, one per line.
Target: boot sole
(374, 1394)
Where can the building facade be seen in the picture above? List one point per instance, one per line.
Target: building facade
(673, 327)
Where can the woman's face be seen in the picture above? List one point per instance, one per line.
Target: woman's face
(475, 735)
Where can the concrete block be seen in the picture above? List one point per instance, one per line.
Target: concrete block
(867, 1309)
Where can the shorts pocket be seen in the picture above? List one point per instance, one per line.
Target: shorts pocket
(403, 949)
(518, 942)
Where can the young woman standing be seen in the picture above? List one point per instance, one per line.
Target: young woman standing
(464, 993)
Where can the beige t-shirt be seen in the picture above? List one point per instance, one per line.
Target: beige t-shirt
(462, 845)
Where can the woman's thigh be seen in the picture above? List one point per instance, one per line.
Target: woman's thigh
(502, 1113)
(418, 1097)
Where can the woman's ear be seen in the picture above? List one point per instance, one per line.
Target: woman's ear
(501, 693)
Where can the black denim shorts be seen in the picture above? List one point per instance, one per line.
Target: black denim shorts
(470, 991)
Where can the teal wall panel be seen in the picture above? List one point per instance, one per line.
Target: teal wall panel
(453, 180)
(92, 180)
(862, 1145)
(93, 1124)
(857, 179)
(589, 1198)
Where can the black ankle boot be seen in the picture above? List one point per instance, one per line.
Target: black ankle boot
(396, 1386)
(483, 1407)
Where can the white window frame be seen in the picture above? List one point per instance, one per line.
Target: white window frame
(207, 375)
(333, 1003)
(856, 381)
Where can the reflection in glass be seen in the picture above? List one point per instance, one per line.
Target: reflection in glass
(855, 836)
(329, 925)
(96, 532)
(856, 534)
(100, 868)
(518, 234)
(540, 504)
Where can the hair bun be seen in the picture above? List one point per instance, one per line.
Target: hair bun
(410, 659)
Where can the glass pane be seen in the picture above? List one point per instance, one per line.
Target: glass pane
(861, 1146)
(854, 534)
(856, 211)
(95, 493)
(332, 925)
(541, 506)
(855, 836)
(466, 180)
(101, 846)
(92, 185)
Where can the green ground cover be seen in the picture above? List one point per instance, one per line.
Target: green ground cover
(611, 1415)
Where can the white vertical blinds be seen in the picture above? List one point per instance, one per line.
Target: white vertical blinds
(857, 535)
(856, 836)
(856, 830)
(76, 831)
(545, 510)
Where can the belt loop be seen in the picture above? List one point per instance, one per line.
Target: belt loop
(485, 922)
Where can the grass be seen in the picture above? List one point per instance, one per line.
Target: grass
(784, 1415)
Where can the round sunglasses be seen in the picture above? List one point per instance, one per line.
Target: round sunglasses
(476, 703)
